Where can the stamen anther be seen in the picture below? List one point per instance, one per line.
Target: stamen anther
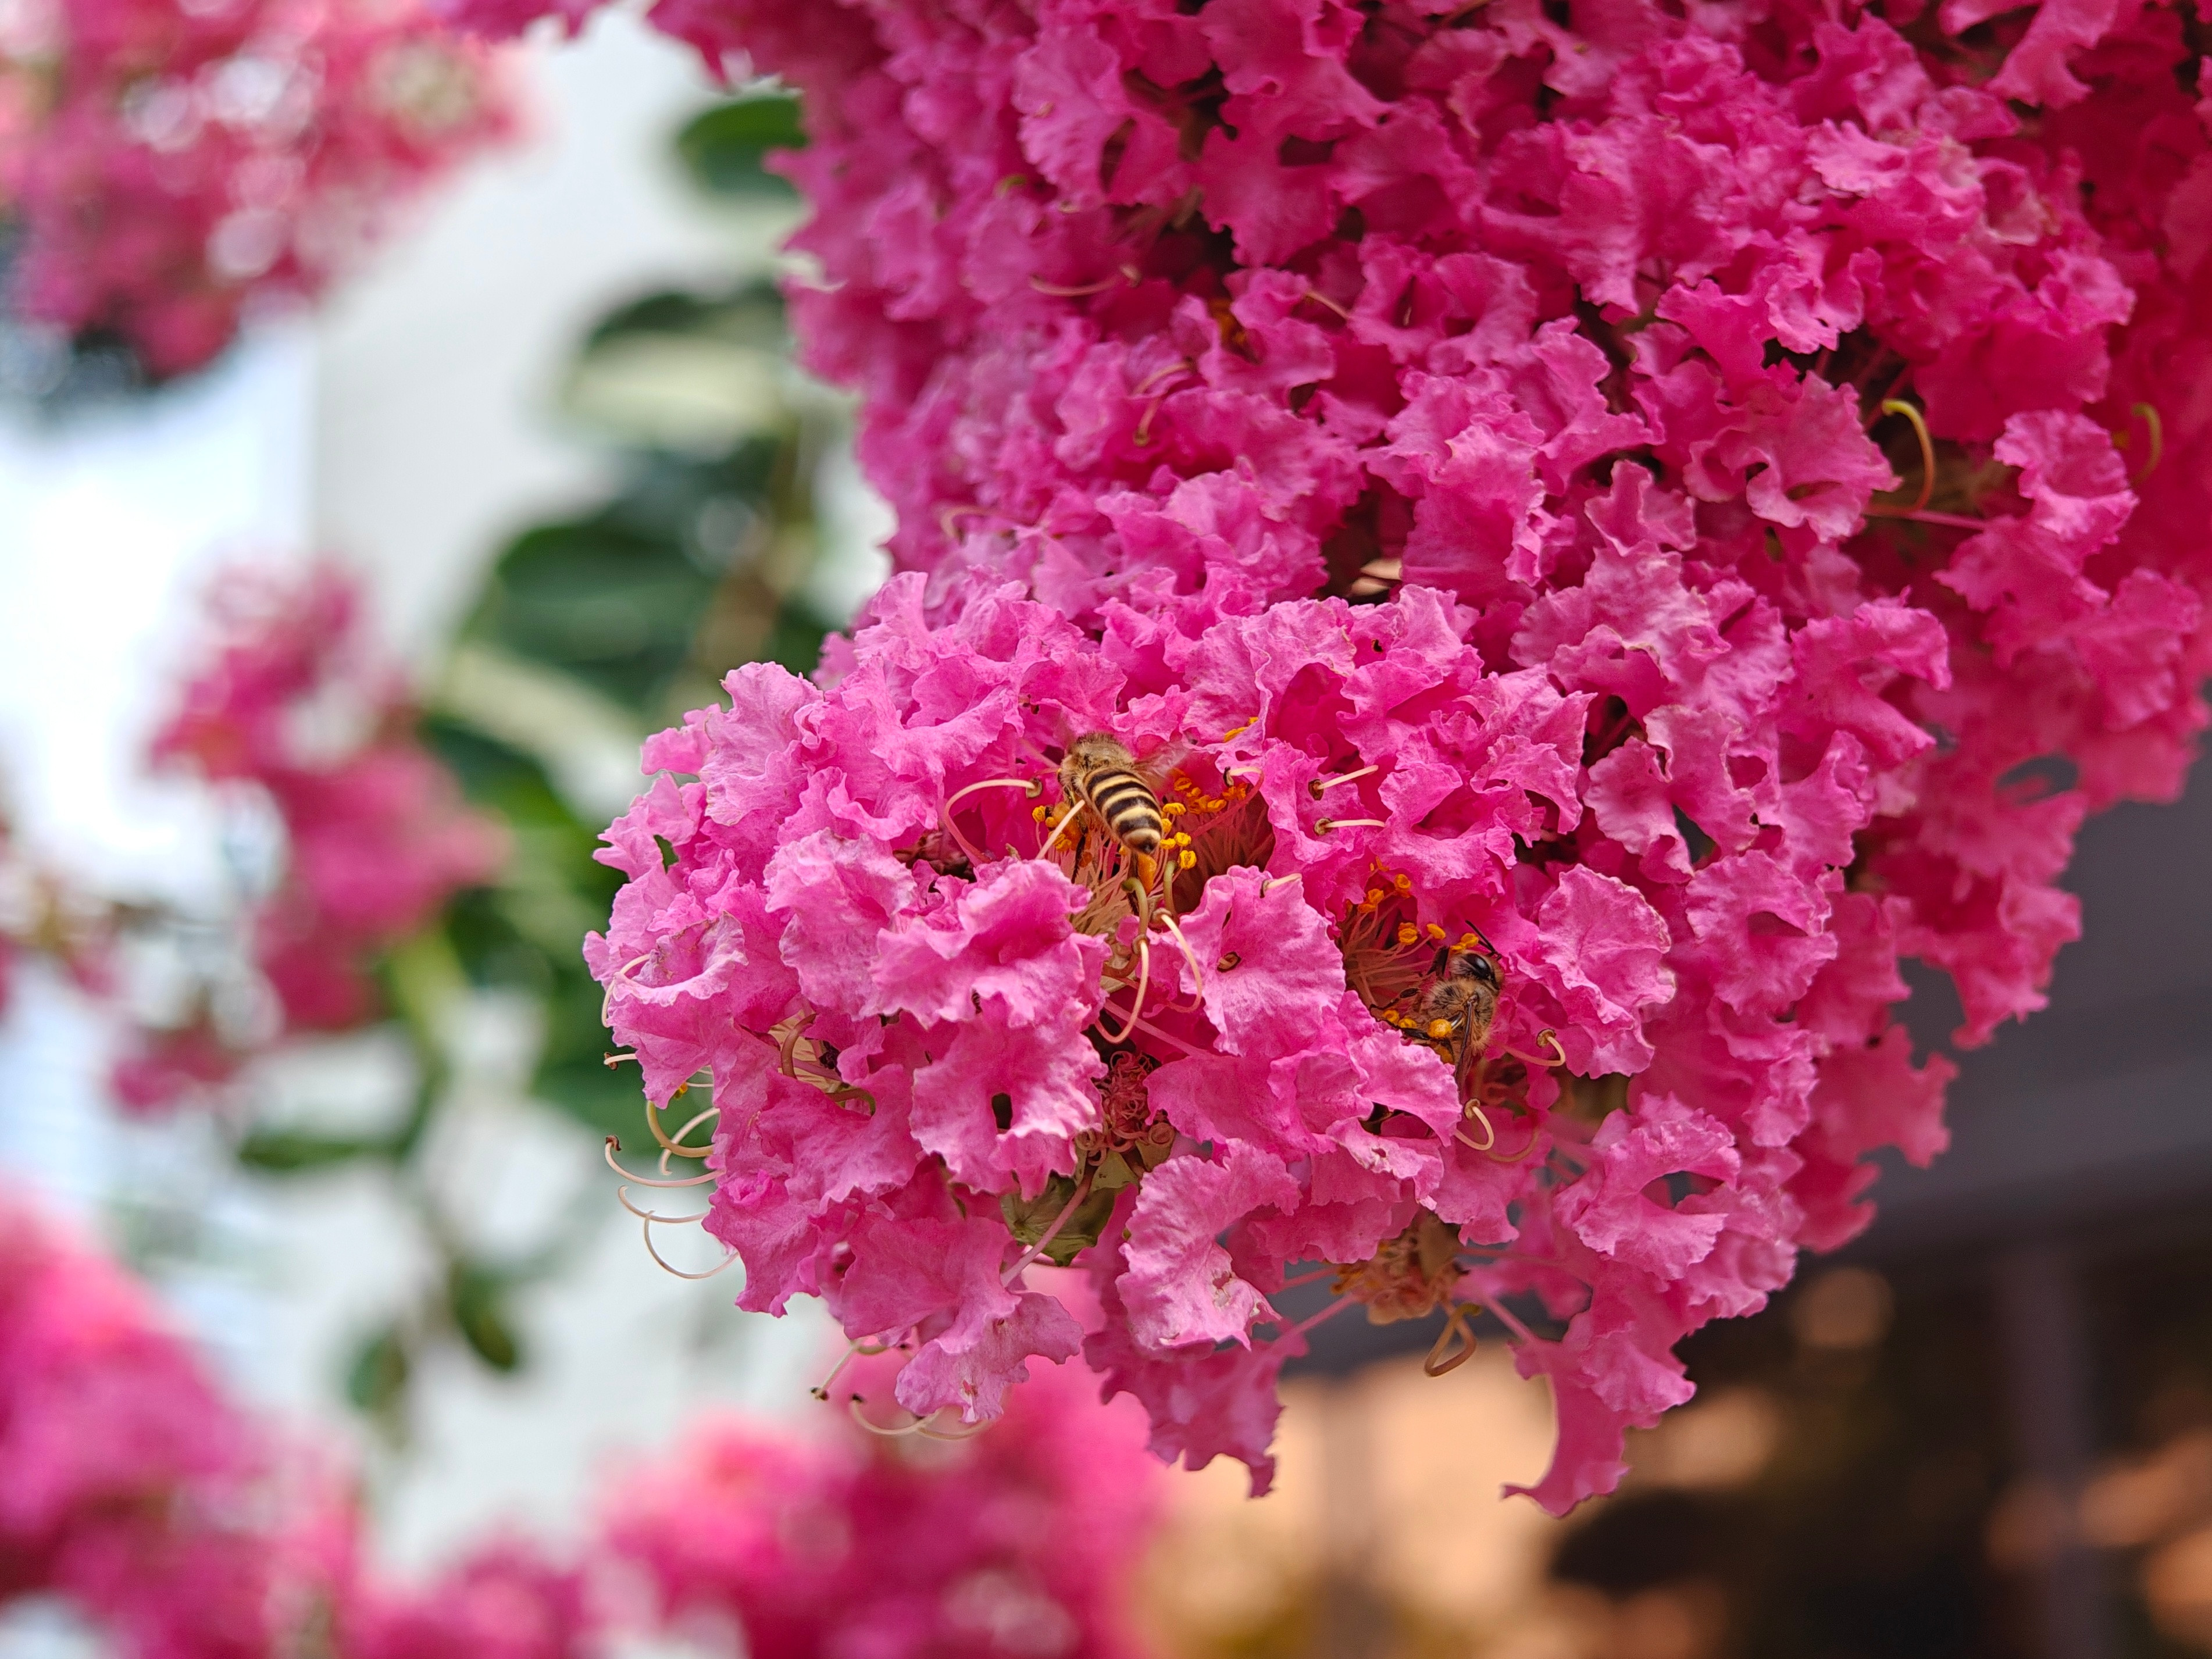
(1061, 291)
(2156, 427)
(1898, 406)
(1473, 1112)
(1319, 785)
(1455, 1344)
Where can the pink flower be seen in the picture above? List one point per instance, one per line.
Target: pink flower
(503, 1601)
(1617, 500)
(132, 1485)
(378, 838)
(1017, 1541)
(123, 1469)
(173, 168)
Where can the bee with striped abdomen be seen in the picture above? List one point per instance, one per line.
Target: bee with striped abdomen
(1101, 773)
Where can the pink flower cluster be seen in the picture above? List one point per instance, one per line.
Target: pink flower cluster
(119, 1465)
(1019, 1542)
(132, 1487)
(1652, 513)
(378, 836)
(163, 165)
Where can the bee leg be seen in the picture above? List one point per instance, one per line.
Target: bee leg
(1148, 870)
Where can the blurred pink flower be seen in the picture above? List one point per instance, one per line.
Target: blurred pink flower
(131, 1484)
(378, 837)
(165, 168)
(1019, 1542)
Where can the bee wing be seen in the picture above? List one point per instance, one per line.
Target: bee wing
(1466, 1066)
(1153, 767)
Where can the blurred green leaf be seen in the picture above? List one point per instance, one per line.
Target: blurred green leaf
(750, 314)
(723, 147)
(572, 1069)
(795, 640)
(599, 599)
(376, 1382)
(284, 1151)
(613, 599)
(475, 1296)
(691, 374)
(527, 931)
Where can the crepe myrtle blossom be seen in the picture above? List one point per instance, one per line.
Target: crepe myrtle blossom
(163, 169)
(132, 1485)
(948, 1039)
(118, 1458)
(1689, 509)
(377, 836)
(1021, 1543)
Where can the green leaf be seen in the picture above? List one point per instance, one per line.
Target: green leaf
(474, 1297)
(614, 599)
(612, 606)
(284, 1151)
(795, 641)
(750, 314)
(1030, 1220)
(572, 1069)
(724, 147)
(376, 1382)
(423, 977)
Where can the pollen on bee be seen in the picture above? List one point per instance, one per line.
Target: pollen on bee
(1440, 1029)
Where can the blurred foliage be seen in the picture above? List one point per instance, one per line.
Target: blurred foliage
(600, 627)
(724, 147)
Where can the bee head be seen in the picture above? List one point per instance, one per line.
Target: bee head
(1467, 964)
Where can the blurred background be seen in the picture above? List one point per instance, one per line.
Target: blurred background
(553, 434)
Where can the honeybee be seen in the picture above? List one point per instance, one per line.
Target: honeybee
(1455, 1012)
(1101, 773)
